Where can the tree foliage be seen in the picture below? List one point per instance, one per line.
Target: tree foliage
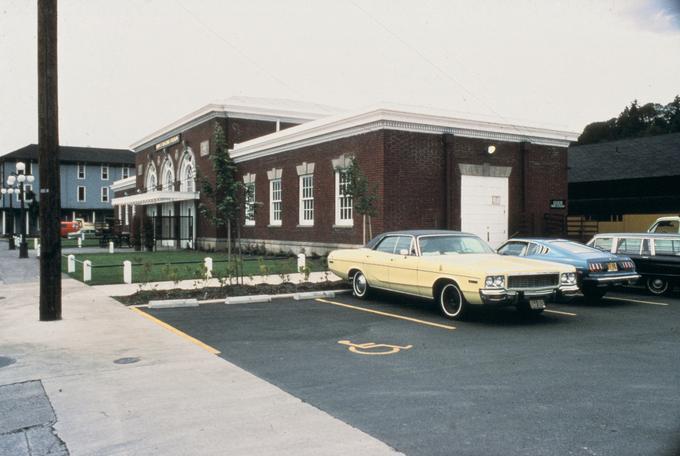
(224, 193)
(363, 193)
(635, 121)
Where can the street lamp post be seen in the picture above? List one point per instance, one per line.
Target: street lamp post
(23, 178)
(9, 192)
(11, 181)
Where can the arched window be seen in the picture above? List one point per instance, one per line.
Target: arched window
(168, 176)
(189, 178)
(151, 178)
(168, 181)
(187, 172)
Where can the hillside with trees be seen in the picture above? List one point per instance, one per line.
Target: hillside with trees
(635, 121)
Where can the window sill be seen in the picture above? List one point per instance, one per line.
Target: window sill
(278, 225)
(343, 226)
(304, 226)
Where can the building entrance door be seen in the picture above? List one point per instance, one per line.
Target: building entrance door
(484, 207)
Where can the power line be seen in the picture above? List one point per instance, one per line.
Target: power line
(434, 65)
(237, 50)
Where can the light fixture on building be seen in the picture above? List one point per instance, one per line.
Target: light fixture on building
(491, 149)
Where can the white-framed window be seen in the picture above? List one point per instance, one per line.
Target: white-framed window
(275, 202)
(124, 172)
(105, 194)
(307, 199)
(343, 201)
(105, 172)
(81, 170)
(250, 204)
(80, 194)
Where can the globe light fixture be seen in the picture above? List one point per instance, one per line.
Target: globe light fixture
(491, 149)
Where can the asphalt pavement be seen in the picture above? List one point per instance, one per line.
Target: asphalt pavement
(580, 379)
(107, 381)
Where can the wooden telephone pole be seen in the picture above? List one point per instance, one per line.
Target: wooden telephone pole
(48, 161)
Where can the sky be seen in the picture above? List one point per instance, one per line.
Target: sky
(129, 67)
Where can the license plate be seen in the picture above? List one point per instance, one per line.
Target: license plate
(611, 267)
(537, 304)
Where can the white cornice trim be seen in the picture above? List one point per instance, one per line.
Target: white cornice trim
(343, 126)
(221, 110)
(155, 198)
(124, 184)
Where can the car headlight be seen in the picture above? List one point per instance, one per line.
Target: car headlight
(494, 281)
(568, 278)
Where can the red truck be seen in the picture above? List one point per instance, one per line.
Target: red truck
(68, 227)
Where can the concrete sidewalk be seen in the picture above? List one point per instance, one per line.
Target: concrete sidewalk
(121, 384)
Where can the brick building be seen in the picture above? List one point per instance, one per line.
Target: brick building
(431, 170)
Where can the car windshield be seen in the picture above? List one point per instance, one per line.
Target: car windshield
(573, 247)
(450, 245)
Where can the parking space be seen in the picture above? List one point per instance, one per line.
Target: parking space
(579, 379)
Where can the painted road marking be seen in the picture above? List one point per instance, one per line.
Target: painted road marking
(559, 312)
(177, 331)
(364, 349)
(387, 314)
(636, 300)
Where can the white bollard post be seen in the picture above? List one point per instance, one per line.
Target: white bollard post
(80, 242)
(87, 271)
(71, 263)
(37, 251)
(127, 272)
(110, 246)
(35, 243)
(208, 267)
(301, 262)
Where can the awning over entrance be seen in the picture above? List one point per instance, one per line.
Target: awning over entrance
(145, 199)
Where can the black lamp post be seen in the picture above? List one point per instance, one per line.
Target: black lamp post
(9, 192)
(19, 179)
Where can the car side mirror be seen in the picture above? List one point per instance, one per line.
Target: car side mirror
(403, 252)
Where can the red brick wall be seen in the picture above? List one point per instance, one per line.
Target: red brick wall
(236, 130)
(410, 171)
(414, 181)
(368, 148)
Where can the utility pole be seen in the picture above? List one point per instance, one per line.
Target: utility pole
(48, 160)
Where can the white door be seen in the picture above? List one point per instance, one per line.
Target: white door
(484, 207)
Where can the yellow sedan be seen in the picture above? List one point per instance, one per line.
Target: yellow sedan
(456, 269)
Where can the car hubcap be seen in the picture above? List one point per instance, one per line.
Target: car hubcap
(359, 284)
(657, 285)
(451, 300)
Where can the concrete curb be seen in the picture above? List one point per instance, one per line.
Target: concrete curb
(264, 298)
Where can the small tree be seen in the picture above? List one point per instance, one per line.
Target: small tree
(363, 193)
(224, 193)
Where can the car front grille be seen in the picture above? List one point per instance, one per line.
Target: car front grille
(533, 281)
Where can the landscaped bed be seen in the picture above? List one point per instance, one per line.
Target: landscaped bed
(144, 296)
(107, 268)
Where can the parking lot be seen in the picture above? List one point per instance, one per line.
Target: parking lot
(580, 379)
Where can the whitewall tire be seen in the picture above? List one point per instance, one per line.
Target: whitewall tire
(360, 286)
(451, 301)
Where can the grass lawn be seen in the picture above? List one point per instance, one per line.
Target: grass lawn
(107, 268)
(74, 242)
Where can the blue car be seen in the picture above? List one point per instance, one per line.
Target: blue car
(597, 271)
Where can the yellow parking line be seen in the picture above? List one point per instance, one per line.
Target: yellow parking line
(636, 300)
(177, 331)
(387, 314)
(559, 312)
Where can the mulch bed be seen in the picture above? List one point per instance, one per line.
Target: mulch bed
(144, 296)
